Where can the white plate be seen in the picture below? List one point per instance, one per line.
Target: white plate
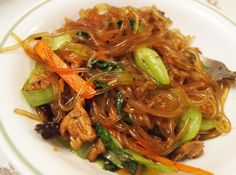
(215, 36)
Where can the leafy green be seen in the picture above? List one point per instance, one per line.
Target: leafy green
(105, 136)
(119, 103)
(110, 166)
(99, 84)
(127, 119)
(132, 23)
(156, 132)
(119, 108)
(101, 64)
(130, 165)
(83, 35)
(109, 143)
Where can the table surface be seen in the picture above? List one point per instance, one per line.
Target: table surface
(19, 7)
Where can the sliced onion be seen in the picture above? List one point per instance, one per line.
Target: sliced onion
(28, 114)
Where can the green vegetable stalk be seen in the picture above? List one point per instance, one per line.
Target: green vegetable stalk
(113, 158)
(150, 62)
(59, 41)
(106, 138)
(207, 124)
(82, 152)
(195, 119)
(110, 144)
(40, 96)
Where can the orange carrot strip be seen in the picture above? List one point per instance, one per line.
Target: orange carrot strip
(51, 59)
(165, 161)
(68, 71)
(179, 166)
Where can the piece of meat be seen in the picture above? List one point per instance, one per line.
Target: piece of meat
(97, 149)
(188, 150)
(77, 127)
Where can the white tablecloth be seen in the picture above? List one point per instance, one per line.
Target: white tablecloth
(228, 7)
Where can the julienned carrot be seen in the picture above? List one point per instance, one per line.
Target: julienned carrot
(165, 161)
(52, 60)
(178, 166)
(68, 71)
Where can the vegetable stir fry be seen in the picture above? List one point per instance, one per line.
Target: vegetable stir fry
(120, 87)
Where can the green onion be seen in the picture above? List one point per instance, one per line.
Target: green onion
(59, 41)
(150, 62)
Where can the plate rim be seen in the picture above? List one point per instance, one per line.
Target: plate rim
(8, 145)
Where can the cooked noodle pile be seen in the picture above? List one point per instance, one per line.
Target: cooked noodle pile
(101, 52)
